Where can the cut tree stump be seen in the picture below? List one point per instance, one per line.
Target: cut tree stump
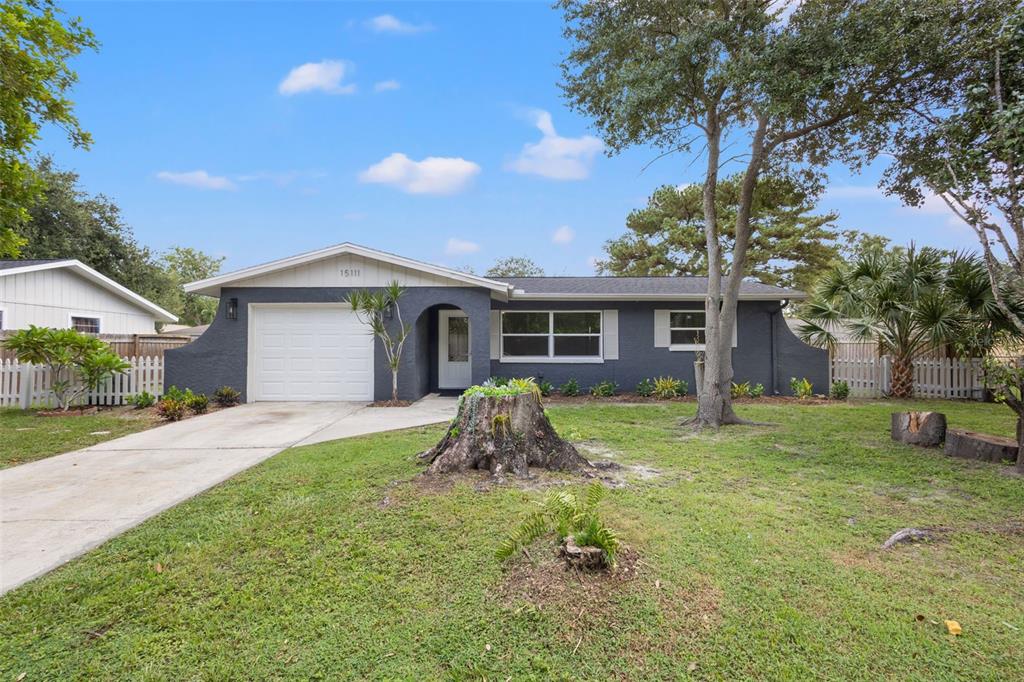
(969, 445)
(505, 435)
(927, 429)
(583, 558)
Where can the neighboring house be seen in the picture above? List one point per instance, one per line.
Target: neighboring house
(184, 330)
(70, 294)
(283, 332)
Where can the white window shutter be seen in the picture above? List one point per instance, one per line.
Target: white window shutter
(610, 332)
(662, 337)
(495, 334)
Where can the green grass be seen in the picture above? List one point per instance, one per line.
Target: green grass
(25, 437)
(759, 547)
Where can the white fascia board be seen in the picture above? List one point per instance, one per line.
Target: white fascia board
(519, 295)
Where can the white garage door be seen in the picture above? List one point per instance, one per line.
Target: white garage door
(310, 352)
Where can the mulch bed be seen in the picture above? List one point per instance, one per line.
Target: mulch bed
(390, 403)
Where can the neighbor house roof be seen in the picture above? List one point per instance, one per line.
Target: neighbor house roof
(525, 288)
(18, 267)
(611, 288)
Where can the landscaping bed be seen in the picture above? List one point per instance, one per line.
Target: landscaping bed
(754, 553)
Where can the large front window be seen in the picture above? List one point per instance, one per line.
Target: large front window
(564, 335)
(686, 327)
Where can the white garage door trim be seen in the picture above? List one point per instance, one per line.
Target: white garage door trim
(252, 380)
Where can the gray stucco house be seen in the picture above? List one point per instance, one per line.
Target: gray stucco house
(283, 332)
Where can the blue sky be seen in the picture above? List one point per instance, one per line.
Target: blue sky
(257, 131)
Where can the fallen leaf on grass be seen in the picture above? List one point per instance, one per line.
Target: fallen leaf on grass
(953, 627)
(158, 567)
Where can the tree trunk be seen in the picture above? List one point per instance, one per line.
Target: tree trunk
(504, 435)
(902, 377)
(710, 402)
(394, 385)
(1020, 443)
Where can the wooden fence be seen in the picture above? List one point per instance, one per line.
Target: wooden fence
(127, 345)
(24, 385)
(870, 376)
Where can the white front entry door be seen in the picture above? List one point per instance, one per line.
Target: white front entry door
(307, 352)
(454, 369)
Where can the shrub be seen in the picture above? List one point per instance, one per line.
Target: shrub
(668, 387)
(605, 389)
(198, 403)
(175, 393)
(757, 391)
(225, 396)
(802, 388)
(171, 409)
(496, 381)
(510, 387)
(142, 400)
(545, 388)
(571, 387)
(566, 513)
(840, 390)
(740, 390)
(645, 388)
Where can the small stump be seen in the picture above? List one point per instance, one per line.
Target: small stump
(505, 434)
(969, 445)
(927, 429)
(582, 558)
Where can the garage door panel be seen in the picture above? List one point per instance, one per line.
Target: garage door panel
(311, 353)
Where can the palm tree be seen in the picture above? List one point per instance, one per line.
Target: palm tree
(908, 301)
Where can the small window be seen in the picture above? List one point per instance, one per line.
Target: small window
(86, 325)
(686, 327)
(551, 334)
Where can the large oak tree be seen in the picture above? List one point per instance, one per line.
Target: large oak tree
(734, 82)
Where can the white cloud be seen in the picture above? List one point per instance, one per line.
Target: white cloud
(563, 235)
(460, 247)
(325, 76)
(384, 86)
(199, 179)
(388, 23)
(432, 175)
(556, 157)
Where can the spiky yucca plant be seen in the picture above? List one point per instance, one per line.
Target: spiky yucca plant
(566, 513)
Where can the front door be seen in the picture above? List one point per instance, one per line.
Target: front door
(454, 369)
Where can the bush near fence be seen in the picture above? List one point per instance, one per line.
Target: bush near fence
(28, 386)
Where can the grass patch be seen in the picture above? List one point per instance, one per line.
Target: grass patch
(758, 558)
(25, 437)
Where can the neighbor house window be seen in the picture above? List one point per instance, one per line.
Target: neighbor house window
(1, 320)
(86, 325)
(686, 327)
(564, 335)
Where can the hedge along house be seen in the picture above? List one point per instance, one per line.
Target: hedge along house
(284, 333)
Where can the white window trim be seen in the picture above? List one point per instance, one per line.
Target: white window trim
(692, 346)
(3, 317)
(551, 358)
(91, 316)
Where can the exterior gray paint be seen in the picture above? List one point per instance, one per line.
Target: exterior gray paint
(220, 356)
(761, 355)
(767, 352)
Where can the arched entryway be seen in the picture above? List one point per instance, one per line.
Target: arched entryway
(445, 330)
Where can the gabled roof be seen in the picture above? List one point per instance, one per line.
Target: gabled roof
(17, 267)
(211, 286)
(636, 288)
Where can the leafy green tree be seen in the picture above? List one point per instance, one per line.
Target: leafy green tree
(514, 266)
(78, 363)
(782, 96)
(67, 222)
(968, 149)
(35, 48)
(789, 246)
(907, 301)
(183, 265)
(376, 308)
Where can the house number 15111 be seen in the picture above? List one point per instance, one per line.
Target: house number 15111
(350, 272)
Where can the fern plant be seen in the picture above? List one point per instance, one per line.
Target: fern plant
(566, 513)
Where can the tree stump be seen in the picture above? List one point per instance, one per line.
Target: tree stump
(505, 435)
(960, 443)
(584, 558)
(927, 429)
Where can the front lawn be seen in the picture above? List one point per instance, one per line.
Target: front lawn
(25, 437)
(759, 558)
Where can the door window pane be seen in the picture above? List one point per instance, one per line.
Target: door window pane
(526, 323)
(577, 323)
(588, 346)
(458, 339)
(525, 346)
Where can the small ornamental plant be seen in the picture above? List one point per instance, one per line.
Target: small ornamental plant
(604, 389)
(645, 388)
(225, 396)
(802, 388)
(840, 390)
(570, 388)
(666, 388)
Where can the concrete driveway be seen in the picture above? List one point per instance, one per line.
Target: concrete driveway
(55, 509)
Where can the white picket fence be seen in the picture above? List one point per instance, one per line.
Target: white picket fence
(24, 385)
(870, 376)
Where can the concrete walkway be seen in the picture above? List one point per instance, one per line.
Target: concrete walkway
(55, 509)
